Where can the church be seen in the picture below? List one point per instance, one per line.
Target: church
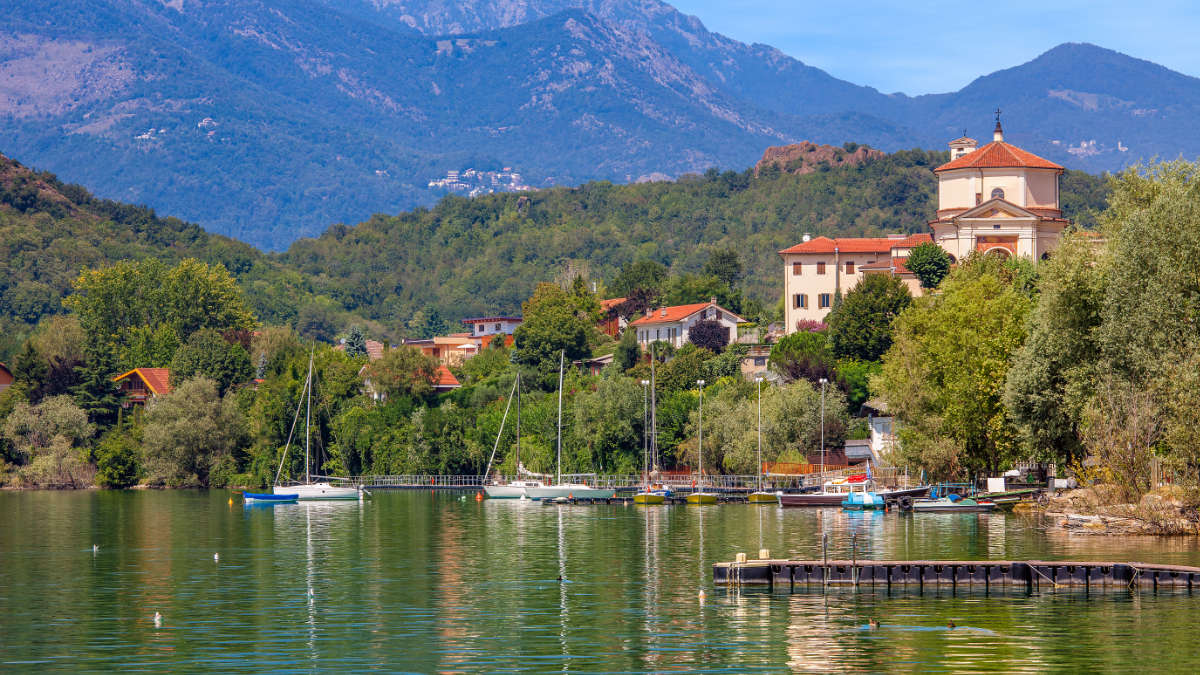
(997, 199)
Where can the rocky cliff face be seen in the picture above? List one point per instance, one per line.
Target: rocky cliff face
(806, 157)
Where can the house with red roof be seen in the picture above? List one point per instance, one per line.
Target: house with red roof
(671, 324)
(6, 378)
(612, 323)
(998, 200)
(142, 384)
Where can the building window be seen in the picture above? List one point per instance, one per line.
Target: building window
(796, 269)
(800, 301)
(849, 267)
(760, 360)
(497, 326)
(825, 300)
(998, 193)
(820, 268)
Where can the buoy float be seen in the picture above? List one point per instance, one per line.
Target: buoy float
(478, 496)
(216, 557)
(702, 595)
(157, 620)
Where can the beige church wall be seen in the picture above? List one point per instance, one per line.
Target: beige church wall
(956, 189)
(1014, 190)
(1042, 189)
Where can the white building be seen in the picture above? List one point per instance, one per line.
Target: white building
(491, 325)
(671, 324)
(998, 199)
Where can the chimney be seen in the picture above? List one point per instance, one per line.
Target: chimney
(807, 237)
(662, 311)
(712, 300)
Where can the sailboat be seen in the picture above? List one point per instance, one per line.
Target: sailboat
(517, 489)
(310, 489)
(536, 490)
(649, 495)
(759, 496)
(700, 496)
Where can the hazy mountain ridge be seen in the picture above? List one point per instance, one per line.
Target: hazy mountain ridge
(271, 119)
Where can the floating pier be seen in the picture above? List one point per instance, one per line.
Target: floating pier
(1029, 575)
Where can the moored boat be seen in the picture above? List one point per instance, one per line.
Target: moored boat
(269, 498)
(862, 501)
(951, 505)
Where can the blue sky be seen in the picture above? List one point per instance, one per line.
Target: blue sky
(940, 46)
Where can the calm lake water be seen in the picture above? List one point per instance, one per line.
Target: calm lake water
(412, 581)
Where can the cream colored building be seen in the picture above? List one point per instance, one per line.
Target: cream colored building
(998, 199)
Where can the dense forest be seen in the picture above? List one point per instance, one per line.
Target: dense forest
(420, 271)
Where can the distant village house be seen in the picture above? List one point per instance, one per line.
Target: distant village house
(672, 324)
(142, 384)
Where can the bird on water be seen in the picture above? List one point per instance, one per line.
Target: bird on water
(157, 620)
(873, 623)
(950, 625)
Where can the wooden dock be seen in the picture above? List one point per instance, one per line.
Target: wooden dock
(1029, 575)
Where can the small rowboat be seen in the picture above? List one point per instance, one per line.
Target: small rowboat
(269, 498)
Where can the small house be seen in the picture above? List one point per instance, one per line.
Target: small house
(672, 324)
(141, 384)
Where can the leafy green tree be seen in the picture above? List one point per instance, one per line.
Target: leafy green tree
(207, 354)
(356, 342)
(854, 378)
(804, 355)
(118, 461)
(1052, 375)
(551, 325)
(30, 369)
(930, 263)
(682, 371)
(687, 289)
(710, 335)
(628, 352)
(403, 372)
(645, 275)
(724, 264)
(944, 375)
(608, 426)
(861, 328)
(190, 434)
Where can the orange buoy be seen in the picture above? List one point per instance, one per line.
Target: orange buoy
(478, 496)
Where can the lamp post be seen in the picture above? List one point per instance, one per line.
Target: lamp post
(758, 383)
(823, 383)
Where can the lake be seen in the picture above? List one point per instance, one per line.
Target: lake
(414, 581)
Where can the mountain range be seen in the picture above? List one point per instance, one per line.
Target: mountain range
(269, 120)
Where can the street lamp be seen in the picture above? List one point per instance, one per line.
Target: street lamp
(823, 383)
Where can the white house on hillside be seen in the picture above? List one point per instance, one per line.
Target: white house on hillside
(671, 324)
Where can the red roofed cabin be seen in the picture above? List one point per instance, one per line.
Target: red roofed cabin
(6, 378)
(998, 199)
(671, 324)
(140, 384)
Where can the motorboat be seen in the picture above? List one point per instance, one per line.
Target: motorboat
(953, 504)
(832, 493)
(863, 501)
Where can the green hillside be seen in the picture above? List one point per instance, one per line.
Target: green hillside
(483, 255)
(471, 256)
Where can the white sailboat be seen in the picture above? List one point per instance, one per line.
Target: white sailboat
(700, 496)
(516, 489)
(310, 489)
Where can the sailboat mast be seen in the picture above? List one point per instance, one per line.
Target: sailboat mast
(653, 413)
(308, 415)
(558, 472)
(518, 424)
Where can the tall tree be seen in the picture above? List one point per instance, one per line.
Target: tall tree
(356, 342)
(551, 325)
(861, 327)
(804, 355)
(724, 264)
(646, 275)
(190, 435)
(207, 354)
(929, 262)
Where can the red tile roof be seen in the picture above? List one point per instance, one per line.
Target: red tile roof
(490, 319)
(998, 154)
(158, 380)
(894, 265)
(677, 313)
(606, 305)
(444, 379)
(858, 244)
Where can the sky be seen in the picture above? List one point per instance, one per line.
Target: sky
(936, 46)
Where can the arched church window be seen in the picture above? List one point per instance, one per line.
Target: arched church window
(998, 193)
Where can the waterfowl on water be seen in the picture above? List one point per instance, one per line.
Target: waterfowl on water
(950, 625)
(157, 620)
(873, 623)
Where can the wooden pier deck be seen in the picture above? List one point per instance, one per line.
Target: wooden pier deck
(1029, 575)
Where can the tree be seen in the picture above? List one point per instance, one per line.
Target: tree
(551, 325)
(725, 265)
(207, 354)
(861, 328)
(96, 394)
(709, 334)
(943, 376)
(608, 426)
(645, 275)
(190, 434)
(403, 372)
(30, 369)
(628, 352)
(929, 262)
(687, 289)
(682, 371)
(47, 438)
(356, 342)
(804, 356)
(118, 461)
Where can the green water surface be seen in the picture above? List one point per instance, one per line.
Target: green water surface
(421, 582)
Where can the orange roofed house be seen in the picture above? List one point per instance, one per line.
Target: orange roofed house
(6, 377)
(998, 199)
(141, 384)
(671, 324)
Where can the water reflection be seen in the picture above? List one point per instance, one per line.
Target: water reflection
(421, 582)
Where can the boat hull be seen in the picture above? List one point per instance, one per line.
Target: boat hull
(702, 498)
(570, 491)
(648, 498)
(812, 499)
(762, 498)
(319, 491)
(269, 498)
(939, 506)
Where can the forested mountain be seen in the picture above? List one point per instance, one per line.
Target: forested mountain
(268, 120)
(477, 256)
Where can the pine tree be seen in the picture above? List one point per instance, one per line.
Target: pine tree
(356, 342)
(97, 395)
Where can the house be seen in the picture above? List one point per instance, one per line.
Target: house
(858, 451)
(141, 384)
(754, 363)
(594, 366)
(6, 378)
(611, 324)
(882, 426)
(444, 380)
(490, 325)
(998, 200)
(672, 324)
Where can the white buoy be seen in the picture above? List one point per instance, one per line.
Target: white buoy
(216, 557)
(157, 620)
